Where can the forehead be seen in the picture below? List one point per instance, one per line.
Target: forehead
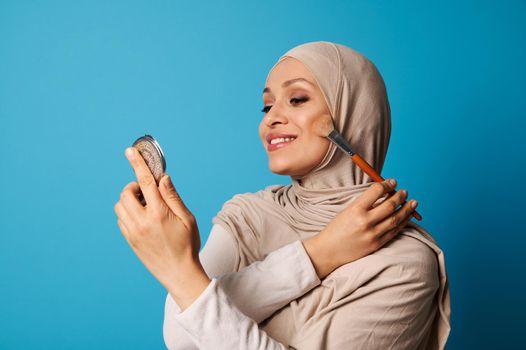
(289, 68)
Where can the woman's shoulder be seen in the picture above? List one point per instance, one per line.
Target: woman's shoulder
(245, 208)
(405, 259)
(239, 200)
(244, 198)
(410, 247)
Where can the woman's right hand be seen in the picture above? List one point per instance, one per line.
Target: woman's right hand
(360, 229)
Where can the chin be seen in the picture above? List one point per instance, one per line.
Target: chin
(279, 171)
(280, 168)
(284, 168)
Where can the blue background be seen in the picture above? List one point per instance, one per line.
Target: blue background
(80, 80)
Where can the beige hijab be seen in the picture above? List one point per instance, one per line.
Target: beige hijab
(264, 221)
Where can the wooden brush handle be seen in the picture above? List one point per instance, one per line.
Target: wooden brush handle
(369, 170)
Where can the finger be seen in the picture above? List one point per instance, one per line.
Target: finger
(126, 233)
(124, 215)
(386, 237)
(123, 228)
(173, 200)
(144, 176)
(387, 207)
(374, 192)
(130, 199)
(393, 221)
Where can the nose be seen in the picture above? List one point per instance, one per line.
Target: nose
(275, 116)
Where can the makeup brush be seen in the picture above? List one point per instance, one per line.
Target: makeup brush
(326, 129)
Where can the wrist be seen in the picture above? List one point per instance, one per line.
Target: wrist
(189, 281)
(320, 255)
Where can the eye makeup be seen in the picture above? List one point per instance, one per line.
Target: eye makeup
(298, 100)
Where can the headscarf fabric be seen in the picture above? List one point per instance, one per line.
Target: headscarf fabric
(266, 220)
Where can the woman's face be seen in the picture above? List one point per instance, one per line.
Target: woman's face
(290, 108)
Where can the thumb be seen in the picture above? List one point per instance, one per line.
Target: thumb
(172, 198)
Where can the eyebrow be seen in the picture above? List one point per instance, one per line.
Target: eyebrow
(289, 82)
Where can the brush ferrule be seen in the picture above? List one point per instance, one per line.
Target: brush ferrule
(339, 141)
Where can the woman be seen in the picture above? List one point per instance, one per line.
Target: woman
(325, 262)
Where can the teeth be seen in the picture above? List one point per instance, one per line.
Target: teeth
(282, 139)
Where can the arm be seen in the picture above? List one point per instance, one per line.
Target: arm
(257, 290)
(213, 322)
(263, 287)
(387, 301)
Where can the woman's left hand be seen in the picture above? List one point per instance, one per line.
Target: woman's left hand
(163, 234)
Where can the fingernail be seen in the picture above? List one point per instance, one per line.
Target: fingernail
(129, 152)
(414, 204)
(392, 182)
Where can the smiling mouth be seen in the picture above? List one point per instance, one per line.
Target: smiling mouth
(278, 143)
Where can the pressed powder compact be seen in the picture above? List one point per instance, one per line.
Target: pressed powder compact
(153, 155)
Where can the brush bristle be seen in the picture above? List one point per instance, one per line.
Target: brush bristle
(324, 126)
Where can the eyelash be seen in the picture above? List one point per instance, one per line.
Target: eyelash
(299, 99)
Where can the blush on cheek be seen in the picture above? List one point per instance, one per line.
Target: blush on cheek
(322, 125)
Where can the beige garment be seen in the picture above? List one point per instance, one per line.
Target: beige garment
(213, 321)
(397, 297)
(254, 293)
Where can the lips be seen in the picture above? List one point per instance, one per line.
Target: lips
(275, 135)
(273, 147)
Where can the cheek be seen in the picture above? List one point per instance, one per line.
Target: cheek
(311, 150)
(261, 132)
(318, 147)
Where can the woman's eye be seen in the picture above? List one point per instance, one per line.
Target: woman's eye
(299, 99)
(266, 109)
(293, 100)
